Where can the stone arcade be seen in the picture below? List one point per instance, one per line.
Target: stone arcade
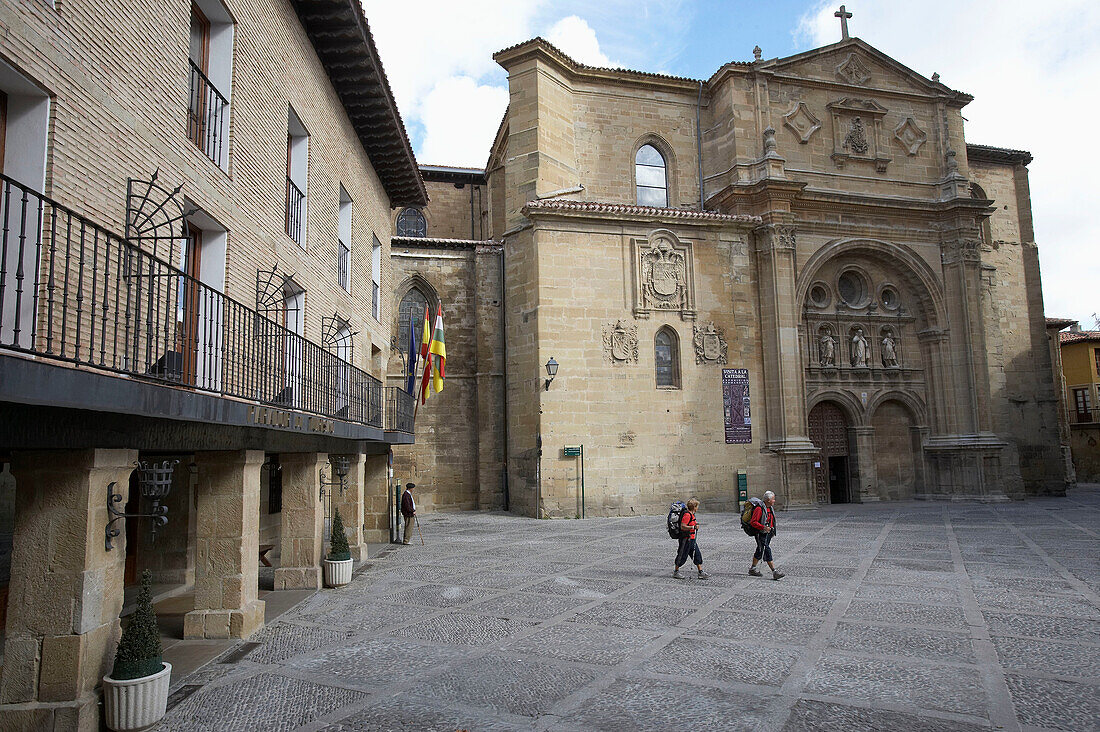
(819, 220)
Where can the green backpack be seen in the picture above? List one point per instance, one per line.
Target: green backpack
(746, 515)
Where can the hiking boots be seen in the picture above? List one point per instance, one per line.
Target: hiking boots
(677, 574)
(755, 572)
(704, 575)
(776, 575)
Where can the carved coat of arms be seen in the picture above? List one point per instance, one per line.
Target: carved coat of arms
(710, 346)
(621, 343)
(664, 277)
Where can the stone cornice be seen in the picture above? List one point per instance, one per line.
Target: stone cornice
(988, 154)
(628, 212)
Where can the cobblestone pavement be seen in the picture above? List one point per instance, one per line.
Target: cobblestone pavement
(905, 616)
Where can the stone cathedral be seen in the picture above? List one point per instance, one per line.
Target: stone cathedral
(798, 271)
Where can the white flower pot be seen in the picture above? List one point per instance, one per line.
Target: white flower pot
(337, 574)
(136, 704)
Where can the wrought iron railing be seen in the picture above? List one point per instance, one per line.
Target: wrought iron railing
(206, 109)
(400, 410)
(73, 291)
(295, 212)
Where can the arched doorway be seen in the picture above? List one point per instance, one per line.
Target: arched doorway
(829, 433)
(895, 458)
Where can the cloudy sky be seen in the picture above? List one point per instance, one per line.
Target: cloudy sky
(1034, 70)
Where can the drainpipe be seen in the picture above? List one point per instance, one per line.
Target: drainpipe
(504, 374)
(699, 142)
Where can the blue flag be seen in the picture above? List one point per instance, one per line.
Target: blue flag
(414, 349)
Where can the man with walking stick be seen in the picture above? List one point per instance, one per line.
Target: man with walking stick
(408, 510)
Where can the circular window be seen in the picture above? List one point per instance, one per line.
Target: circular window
(889, 297)
(819, 295)
(852, 289)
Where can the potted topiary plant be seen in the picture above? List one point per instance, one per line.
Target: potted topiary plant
(338, 563)
(135, 694)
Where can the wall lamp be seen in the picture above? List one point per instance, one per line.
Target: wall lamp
(155, 481)
(340, 469)
(551, 371)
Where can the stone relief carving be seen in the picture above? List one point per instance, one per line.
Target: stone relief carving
(856, 139)
(802, 122)
(857, 132)
(860, 349)
(827, 348)
(910, 136)
(710, 345)
(621, 343)
(664, 279)
(854, 70)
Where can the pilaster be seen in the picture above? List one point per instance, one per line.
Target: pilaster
(350, 503)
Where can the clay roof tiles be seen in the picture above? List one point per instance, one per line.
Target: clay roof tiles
(550, 206)
(570, 61)
(1078, 336)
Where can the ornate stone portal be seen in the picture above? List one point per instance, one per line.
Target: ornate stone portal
(663, 276)
(710, 345)
(621, 343)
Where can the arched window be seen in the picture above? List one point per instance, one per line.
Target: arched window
(412, 309)
(666, 358)
(650, 178)
(411, 222)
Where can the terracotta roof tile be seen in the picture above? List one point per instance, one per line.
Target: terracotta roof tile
(632, 210)
(573, 62)
(1078, 336)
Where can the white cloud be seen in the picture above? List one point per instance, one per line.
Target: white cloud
(1033, 77)
(578, 40)
(460, 118)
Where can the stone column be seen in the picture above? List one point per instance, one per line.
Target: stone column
(227, 540)
(350, 503)
(303, 521)
(66, 588)
(864, 483)
(376, 505)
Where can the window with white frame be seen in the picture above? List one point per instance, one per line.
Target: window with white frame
(650, 177)
(376, 279)
(343, 263)
(297, 175)
(210, 61)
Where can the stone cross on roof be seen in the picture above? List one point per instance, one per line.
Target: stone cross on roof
(843, 15)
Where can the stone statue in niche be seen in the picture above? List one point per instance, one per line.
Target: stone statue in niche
(856, 139)
(827, 348)
(889, 351)
(621, 343)
(860, 349)
(710, 346)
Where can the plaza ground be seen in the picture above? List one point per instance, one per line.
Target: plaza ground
(914, 616)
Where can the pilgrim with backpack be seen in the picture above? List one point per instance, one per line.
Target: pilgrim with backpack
(758, 520)
(682, 526)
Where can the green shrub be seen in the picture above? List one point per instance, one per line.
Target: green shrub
(338, 542)
(139, 648)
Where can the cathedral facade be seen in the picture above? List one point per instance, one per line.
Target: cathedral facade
(797, 273)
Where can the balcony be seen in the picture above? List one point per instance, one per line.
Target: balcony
(206, 113)
(74, 293)
(295, 212)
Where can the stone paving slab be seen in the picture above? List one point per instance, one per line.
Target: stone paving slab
(905, 616)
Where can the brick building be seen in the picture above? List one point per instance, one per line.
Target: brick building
(196, 203)
(798, 268)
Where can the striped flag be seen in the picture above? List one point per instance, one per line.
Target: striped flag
(425, 346)
(411, 377)
(438, 349)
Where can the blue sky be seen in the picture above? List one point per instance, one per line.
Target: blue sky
(1033, 73)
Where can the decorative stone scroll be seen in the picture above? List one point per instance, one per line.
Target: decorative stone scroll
(910, 136)
(853, 70)
(621, 343)
(710, 345)
(857, 132)
(802, 122)
(664, 279)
